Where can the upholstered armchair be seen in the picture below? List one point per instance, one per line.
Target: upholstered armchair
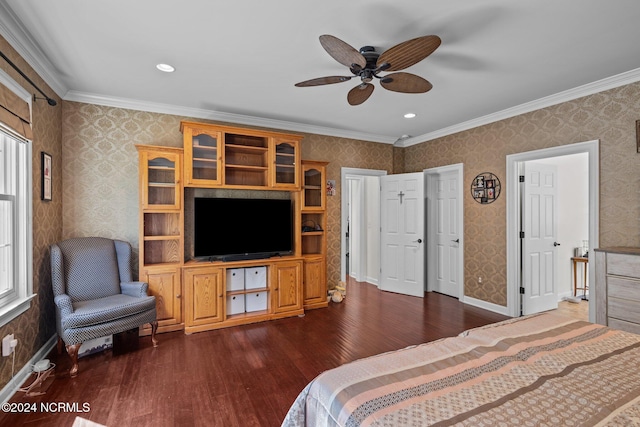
(94, 293)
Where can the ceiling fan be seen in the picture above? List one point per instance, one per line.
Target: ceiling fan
(367, 64)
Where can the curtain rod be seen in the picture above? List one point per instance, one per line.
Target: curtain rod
(50, 101)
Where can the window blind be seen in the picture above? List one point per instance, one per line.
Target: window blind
(15, 113)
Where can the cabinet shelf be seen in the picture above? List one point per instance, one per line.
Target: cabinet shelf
(246, 167)
(248, 315)
(162, 264)
(161, 168)
(247, 291)
(155, 238)
(313, 187)
(205, 147)
(245, 148)
(233, 157)
(312, 233)
(162, 184)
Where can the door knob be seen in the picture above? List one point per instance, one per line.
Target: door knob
(419, 240)
(556, 244)
(456, 241)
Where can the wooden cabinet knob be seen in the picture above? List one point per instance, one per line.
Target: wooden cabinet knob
(178, 296)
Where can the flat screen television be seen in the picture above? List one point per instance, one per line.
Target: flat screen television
(235, 229)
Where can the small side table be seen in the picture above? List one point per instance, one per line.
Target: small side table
(585, 287)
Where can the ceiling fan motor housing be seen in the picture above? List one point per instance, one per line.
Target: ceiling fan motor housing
(367, 73)
(370, 54)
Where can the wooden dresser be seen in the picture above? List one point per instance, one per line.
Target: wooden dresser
(617, 288)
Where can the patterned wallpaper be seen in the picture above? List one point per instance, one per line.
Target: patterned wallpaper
(341, 152)
(100, 171)
(608, 116)
(34, 328)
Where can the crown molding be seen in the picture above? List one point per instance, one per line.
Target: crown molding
(14, 33)
(612, 82)
(154, 107)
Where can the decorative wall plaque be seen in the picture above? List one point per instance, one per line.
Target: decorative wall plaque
(485, 188)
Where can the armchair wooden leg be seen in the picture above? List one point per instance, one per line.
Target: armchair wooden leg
(73, 352)
(154, 328)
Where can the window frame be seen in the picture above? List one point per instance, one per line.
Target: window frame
(19, 298)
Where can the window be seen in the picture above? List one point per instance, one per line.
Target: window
(16, 278)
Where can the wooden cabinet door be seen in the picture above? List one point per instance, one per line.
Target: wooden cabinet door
(285, 161)
(314, 186)
(160, 180)
(314, 283)
(164, 284)
(204, 299)
(202, 157)
(287, 286)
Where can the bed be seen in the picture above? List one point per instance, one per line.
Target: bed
(543, 369)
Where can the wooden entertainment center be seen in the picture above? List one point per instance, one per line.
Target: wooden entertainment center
(198, 295)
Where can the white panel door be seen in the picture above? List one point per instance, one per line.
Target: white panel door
(402, 233)
(540, 219)
(446, 236)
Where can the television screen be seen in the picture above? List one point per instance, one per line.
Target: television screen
(230, 229)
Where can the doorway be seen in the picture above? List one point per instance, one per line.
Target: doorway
(360, 224)
(515, 253)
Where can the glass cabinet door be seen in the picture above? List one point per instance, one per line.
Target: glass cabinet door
(161, 181)
(286, 162)
(202, 157)
(313, 195)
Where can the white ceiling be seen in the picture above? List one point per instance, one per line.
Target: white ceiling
(238, 60)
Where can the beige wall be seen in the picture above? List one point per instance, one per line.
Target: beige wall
(37, 325)
(608, 116)
(100, 171)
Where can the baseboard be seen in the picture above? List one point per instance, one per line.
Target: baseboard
(500, 309)
(18, 379)
(372, 280)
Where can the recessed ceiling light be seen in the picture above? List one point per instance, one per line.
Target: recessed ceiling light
(409, 115)
(166, 68)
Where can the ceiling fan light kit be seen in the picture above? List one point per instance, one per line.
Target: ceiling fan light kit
(366, 63)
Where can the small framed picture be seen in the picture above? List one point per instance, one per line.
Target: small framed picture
(491, 193)
(480, 181)
(479, 194)
(489, 183)
(46, 177)
(331, 187)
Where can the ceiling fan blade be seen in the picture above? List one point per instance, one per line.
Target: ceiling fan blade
(360, 93)
(405, 83)
(342, 52)
(411, 52)
(323, 81)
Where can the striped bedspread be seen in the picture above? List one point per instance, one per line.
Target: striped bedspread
(537, 370)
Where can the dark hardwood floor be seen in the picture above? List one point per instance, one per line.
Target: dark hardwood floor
(247, 375)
